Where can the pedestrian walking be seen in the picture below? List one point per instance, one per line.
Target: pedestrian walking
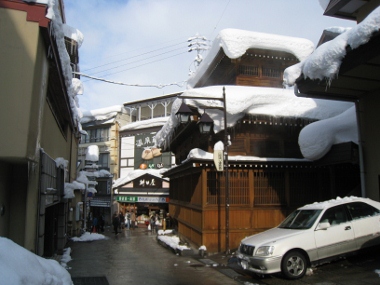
(133, 219)
(94, 228)
(116, 223)
(101, 223)
(121, 221)
(152, 221)
(128, 220)
(156, 222)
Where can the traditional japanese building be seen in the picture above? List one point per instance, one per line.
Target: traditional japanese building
(217, 199)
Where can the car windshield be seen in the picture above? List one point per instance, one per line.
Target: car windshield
(300, 219)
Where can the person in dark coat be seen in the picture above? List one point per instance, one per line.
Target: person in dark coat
(94, 228)
(115, 223)
(101, 223)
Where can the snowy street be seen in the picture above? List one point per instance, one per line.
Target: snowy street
(136, 256)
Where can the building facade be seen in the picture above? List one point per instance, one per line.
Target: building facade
(36, 85)
(101, 129)
(139, 156)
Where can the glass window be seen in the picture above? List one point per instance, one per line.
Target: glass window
(360, 210)
(335, 216)
(101, 188)
(103, 160)
(300, 219)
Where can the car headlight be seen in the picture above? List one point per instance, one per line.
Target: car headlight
(265, 250)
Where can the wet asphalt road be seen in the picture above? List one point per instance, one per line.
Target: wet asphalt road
(135, 257)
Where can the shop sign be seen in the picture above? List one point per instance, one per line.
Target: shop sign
(142, 199)
(126, 199)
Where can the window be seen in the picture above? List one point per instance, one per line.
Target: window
(101, 188)
(359, 210)
(335, 216)
(103, 160)
(96, 135)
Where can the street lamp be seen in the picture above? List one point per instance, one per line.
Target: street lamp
(183, 114)
(205, 124)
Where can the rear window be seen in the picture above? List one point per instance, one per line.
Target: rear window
(359, 210)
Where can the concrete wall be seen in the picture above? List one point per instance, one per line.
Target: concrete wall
(21, 83)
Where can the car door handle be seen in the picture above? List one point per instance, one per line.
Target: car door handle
(347, 228)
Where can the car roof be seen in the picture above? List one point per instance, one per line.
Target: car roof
(338, 201)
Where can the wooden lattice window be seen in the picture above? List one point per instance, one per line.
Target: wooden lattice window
(239, 187)
(250, 70)
(272, 72)
(269, 187)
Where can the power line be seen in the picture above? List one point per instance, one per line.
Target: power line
(160, 86)
(92, 77)
(136, 61)
(139, 55)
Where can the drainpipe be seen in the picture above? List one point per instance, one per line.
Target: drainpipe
(361, 160)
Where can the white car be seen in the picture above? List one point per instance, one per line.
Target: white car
(312, 235)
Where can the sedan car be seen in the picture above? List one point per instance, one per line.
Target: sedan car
(311, 235)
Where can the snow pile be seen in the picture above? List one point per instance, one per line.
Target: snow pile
(243, 100)
(66, 257)
(325, 62)
(70, 187)
(92, 153)
(235, 43)
(20, 266)
(89, 237)
(172, 241)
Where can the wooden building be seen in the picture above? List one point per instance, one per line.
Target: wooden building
(267, 175)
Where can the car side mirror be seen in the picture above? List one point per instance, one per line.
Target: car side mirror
(323, 226)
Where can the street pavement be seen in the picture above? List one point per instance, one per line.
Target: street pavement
(135, 256)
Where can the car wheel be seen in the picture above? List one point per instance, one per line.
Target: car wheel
(294, 265)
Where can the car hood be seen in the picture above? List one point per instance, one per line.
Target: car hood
(271, 236)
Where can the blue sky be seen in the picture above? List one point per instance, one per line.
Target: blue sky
(144, 42)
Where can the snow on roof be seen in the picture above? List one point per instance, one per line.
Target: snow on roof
(325, 61)
(337, 201)
(101, 114)
(236, 42)
(58, 28)
(316, 139)
(242, 100)
(197, 153)
(155, 122)
(136, 174)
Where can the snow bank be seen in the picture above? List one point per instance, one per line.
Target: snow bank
(20, 266)
(88, 237)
